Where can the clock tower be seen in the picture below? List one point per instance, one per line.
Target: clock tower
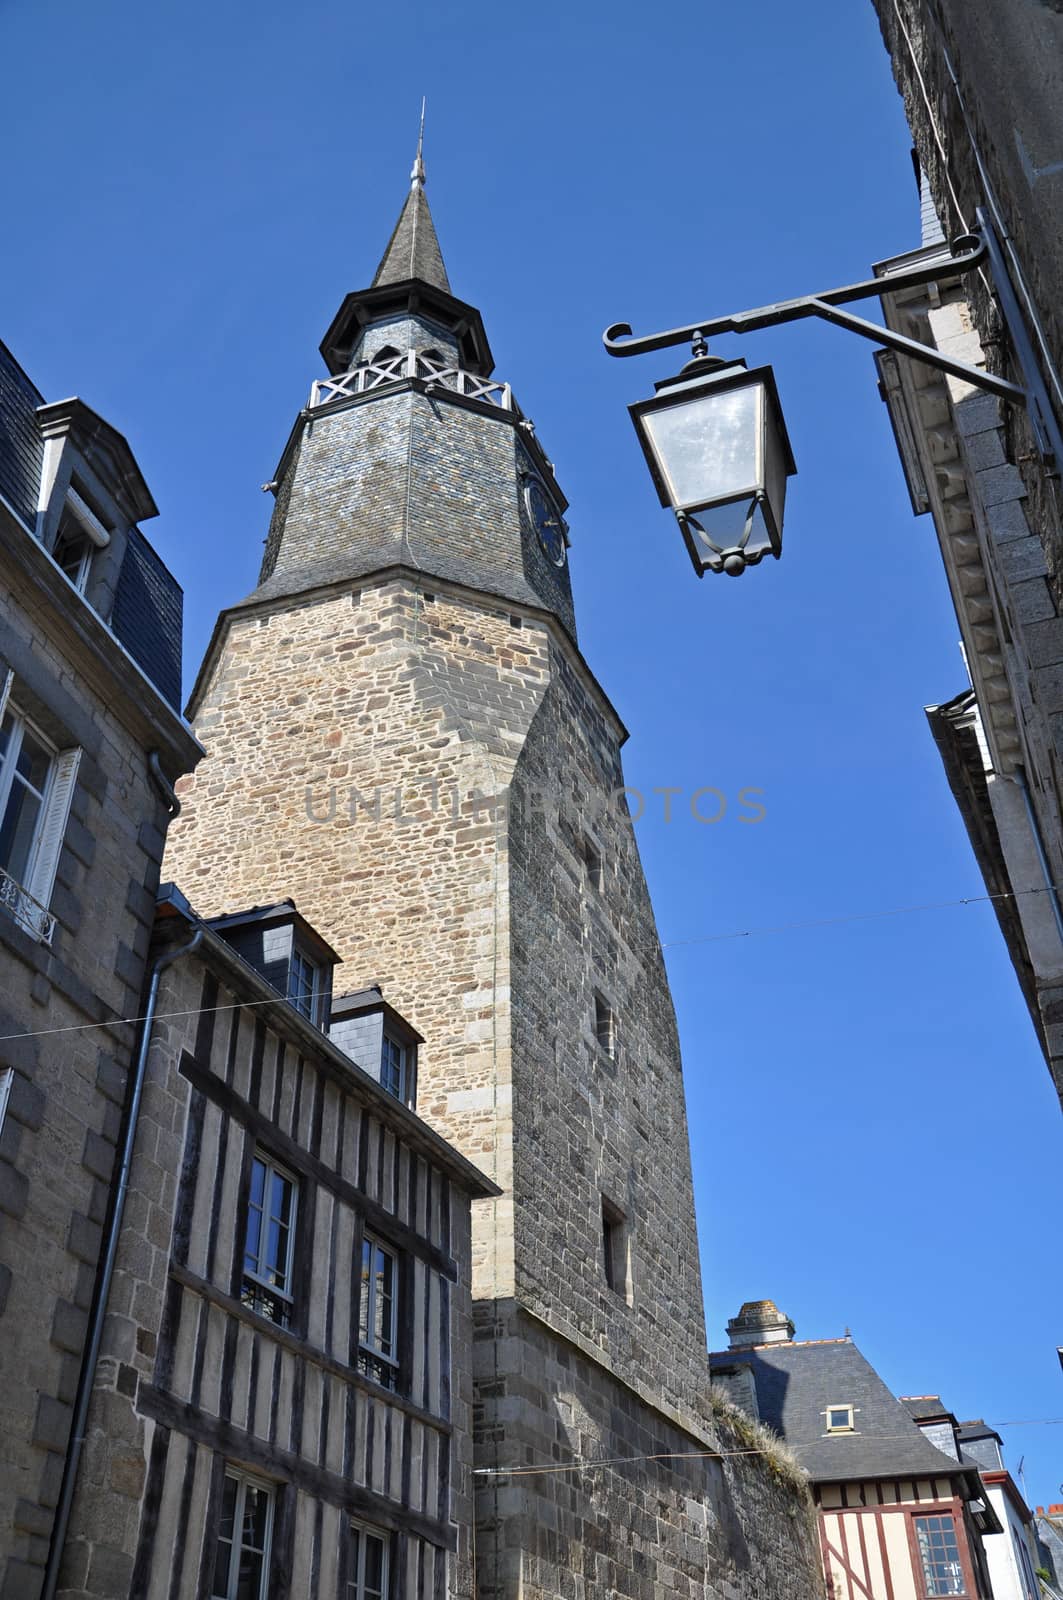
(403, 735)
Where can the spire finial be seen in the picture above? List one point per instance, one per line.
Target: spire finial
(417, 175)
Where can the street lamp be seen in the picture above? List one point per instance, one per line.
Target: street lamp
(714, 436)
(716, 445)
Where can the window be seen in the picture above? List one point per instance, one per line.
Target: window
(1025, 1565)
(36, 787)
(604, 1025)
(592, 860)
(269, 1242)
(839, 1419)
(614, 1248)
(304, 983)
(25, 773)
(73, 550)
(241, 1561)
(367, 1564)
(940, 1555)
(6, 1077)
(80, 534)
(377, 1314)
(393, 1067)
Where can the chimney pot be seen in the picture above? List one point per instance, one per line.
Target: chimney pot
(759, 1322)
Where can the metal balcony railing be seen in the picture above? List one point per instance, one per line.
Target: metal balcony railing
(399, 369)
(29, 914)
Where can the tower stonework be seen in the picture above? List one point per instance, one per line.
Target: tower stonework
(403, 735)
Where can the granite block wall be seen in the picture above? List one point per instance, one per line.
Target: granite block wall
(419, 770)
(63, 1005)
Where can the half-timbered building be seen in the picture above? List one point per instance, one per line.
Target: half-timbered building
(899, 1517)
(1011, 1554)
(282, 1399)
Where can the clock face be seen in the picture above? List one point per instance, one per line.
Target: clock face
(549, 528)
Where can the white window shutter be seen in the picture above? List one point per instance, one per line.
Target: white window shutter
(6, 680)
(50, 841)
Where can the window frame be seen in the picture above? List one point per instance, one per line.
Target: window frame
(94, 531)
(7, 1079)
(69, 515)
(921, 1574)
(26, 899)
(372, 1361)
(261, 1288)
(387, 1038)
(354, 1583)
(849, 1426)
(9, 773)
(317, 982)
(243, 1481)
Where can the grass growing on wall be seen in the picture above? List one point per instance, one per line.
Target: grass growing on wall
(740, 1431)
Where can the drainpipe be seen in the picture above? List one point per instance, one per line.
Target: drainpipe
(163, 784)
(91, 1357)
(1019, 777)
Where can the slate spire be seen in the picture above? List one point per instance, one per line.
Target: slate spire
(413, 249)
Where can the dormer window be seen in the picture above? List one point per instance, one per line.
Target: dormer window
(379, 1040)
(840, 1419)
(289, 954)
(393, 1067)
(304, 983)
(80, 536)
(73, 551)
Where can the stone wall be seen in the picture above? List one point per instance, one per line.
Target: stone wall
(1001, 149)
(57, 1147)
(734, 1527)
(420, 771)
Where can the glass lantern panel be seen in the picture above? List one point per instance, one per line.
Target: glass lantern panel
(724, 526)
(707, 447)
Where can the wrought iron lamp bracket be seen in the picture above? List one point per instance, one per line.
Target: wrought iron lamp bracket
(968, 252)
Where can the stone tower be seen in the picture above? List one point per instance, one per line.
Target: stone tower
(403, 735)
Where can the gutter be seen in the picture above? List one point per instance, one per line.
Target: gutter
(90, 1360)
(1018, 777)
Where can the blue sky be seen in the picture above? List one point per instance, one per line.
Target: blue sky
(189, 193)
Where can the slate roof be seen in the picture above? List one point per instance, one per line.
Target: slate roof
(147, 614)
(413, 249)
(21, 445)
(926, 1407)
(796, 1382)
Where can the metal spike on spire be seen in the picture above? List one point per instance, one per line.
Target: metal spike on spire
(417, 174)
(413, 249)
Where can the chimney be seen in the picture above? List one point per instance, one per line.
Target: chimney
(759, 1322)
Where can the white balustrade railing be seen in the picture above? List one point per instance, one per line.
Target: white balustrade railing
(31, 916)
(398, 369)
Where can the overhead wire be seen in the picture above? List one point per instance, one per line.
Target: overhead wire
(671, 944)
(585, 1463)
(860, 916)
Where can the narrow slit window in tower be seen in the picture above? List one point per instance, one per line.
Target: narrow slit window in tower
(614, 1248)
(604, 1025)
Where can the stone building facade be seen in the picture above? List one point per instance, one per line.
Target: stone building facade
(283, 1399)
(402, 733)
(981, 86)
(91, 739)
